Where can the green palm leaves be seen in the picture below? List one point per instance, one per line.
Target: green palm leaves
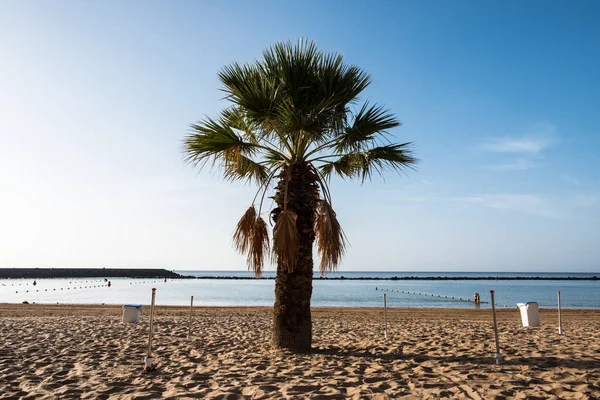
(296, 105)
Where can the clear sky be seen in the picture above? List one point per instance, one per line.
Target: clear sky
(500, 97)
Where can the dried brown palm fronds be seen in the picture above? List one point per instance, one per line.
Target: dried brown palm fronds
(251, 238)
(242, 237)
(259, 246)
(330, 237)
(285, 239)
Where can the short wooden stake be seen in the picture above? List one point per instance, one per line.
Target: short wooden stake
(385, 317)
(149, 360)
(560, 328)
(498, 355)
(190, 324)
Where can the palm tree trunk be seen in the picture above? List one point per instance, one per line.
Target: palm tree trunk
(292, 326)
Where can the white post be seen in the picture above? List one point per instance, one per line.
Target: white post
(385, 317)
(560, 329)
(498, 355)
(149, 361)
(190, 324)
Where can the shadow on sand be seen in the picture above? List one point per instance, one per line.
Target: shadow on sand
(395, 355)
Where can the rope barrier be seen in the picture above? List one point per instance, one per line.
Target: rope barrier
(72, 284)
(468, 300)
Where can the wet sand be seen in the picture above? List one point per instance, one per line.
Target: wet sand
(83, 351)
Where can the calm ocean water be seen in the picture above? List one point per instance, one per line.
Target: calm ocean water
(328, 293)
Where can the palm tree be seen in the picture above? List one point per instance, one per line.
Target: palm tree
(294, 122)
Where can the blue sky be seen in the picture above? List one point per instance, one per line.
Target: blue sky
(499, 97)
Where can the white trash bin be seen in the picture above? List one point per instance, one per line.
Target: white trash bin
(530, 315)
(132, 313)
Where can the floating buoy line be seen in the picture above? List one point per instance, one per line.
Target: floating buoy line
(75, 284)
(438, 296)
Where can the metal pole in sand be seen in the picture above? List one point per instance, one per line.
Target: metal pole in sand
(385, 317)
(190, 324)
(560, 329)
(498, 355)
(149, 361)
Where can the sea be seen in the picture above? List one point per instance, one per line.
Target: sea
(357, 289)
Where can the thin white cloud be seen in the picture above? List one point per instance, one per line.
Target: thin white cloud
(418, 199)
(525, 203)
(516, 145)
(426, 182)
(547, 206)
(521, 164)
(537, 139)
(585, 199)
(570, 179)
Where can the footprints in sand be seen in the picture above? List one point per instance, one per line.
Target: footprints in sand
(229, 357)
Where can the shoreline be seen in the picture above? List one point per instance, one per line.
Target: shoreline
(425, 313)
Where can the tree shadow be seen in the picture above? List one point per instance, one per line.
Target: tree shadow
(588, 363)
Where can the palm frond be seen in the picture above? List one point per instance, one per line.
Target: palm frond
(256, 89)
(237, 167)
(275, 159)
(285, 239)
(293, 66)
(214, 139)
(252, 89)
(313, 87)
(362, 164)
(236, 118)
(242, 237)
(369, 123)
(232, 145)
(339, 83)
(251, 238)
(255, 133)
(259, 247)
(330, 237)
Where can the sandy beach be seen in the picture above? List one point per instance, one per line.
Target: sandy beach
(68, 352)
